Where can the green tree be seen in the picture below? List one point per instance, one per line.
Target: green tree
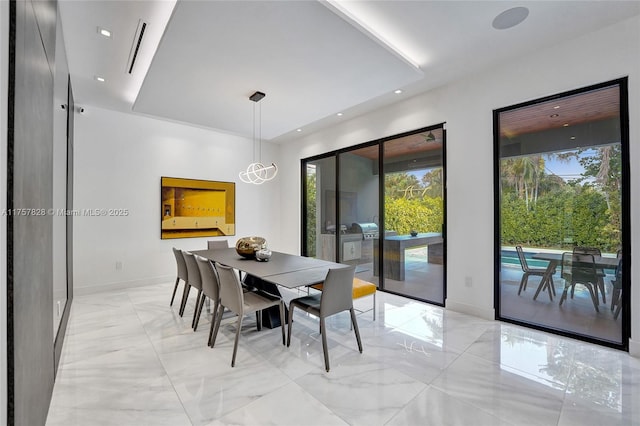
(311, 212)
(401, 185)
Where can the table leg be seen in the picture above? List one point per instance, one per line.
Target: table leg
(270, 316)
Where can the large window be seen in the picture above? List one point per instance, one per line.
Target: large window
(392, 188)
(562, 213)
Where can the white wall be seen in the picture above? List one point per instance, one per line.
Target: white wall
(466, 106)
(4, 66)
(119, 159)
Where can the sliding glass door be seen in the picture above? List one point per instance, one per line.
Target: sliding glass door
(413, 252)
(562, 206)
(319, 180)
(359, 212)
(384, 215)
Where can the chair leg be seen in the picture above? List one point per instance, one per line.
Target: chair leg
(218, 321)
(195, 313)
(523, 283)
(282, 320)
(212, 327)
(185, 296)
(202, 299)
(325, 349)
(594, 295)
(355, 328)
(573, 287)
(618, 309)
(175, 288)
(374, 305)
(235, 344)
(601, 285)
(614, 297)
(564, 294)
(291, 307)
(214, 317)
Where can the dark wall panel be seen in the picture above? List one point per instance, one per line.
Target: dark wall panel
(30, 291)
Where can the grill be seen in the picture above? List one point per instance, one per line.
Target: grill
(369, 230)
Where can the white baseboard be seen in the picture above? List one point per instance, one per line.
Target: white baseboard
(634, 348)
(100, 288)
(488, 314)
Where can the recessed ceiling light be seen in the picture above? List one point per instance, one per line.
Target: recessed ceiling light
(339, 114)
(573, 137)
(510, 18)
(556, 107)
(554, 115)
(100, 79)
(298, 130)
(397, 92)
(566, 124)
(104, 32)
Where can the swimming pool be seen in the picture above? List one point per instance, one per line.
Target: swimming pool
(510, 257)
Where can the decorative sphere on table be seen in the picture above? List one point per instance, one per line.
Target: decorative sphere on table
(247, 246)
(263, 255)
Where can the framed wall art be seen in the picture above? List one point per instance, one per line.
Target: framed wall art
(197, 208)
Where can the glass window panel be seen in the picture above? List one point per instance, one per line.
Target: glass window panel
(359, 209)
(414, 215)
(320, 208)
(560, 189)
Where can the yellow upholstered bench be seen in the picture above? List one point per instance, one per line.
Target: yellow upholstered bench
(361, 288)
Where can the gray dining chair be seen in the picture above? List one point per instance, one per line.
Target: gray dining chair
(210, 289)
(336, 297)
(241, 303)
(217, 244)
(579, 268)
(528, 271)
(194, 280)
(600, 284)
(181, 273)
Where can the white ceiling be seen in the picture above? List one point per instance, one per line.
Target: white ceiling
(312, 59)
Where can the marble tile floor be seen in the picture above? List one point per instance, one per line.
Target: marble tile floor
(129, 359)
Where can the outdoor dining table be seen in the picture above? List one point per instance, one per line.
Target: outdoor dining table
(282, 269)
(554, 259)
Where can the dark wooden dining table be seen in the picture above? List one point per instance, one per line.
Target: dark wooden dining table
(282, 269)
(554, 259)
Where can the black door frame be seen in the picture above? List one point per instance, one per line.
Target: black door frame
(625, 205)
(381, 213)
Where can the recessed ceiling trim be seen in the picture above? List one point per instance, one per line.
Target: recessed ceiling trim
(359, 23)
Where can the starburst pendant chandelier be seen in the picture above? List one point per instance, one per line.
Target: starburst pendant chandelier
(257, 173)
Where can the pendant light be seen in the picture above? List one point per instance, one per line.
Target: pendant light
(256, 172)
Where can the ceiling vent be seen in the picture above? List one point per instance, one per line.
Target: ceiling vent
(135, 46)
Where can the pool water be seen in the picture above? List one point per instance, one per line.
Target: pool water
(510, 257)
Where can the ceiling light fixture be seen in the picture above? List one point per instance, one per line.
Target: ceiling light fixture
(100, 79)
(104, 32)
(257, 173)
(397, 92)
(298, 130)
(339, 114)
